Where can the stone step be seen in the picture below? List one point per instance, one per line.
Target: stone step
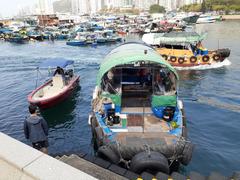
(64, 158)
(92, 169)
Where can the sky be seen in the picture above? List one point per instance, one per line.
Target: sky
(10, 7)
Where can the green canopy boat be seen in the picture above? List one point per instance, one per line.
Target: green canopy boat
(134, 105)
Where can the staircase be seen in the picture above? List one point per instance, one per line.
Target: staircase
(104, 170)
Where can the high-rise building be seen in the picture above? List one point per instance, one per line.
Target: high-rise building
(144, 4)
(45, 6)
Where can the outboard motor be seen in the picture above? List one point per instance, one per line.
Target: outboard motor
(168, 113)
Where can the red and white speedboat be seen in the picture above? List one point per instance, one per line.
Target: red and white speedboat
(58, 88)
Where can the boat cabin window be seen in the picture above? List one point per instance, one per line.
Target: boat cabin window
(137, 84)
(112, 81)
(180, 47)
(164, 82)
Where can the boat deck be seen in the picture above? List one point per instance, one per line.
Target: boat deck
(141, 123)
(55, 87)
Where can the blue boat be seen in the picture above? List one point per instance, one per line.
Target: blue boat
(137, 119)
(17, 38)
(76, 43)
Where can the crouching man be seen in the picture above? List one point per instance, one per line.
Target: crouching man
(36, 130)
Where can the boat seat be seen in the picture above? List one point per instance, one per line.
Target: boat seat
(57, 81)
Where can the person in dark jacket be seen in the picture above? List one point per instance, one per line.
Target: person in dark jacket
(36, 130)
(59, 71)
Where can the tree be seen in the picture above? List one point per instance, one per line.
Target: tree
(155, 8)
(203, 7)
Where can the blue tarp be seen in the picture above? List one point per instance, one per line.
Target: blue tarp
(53, 63)
(5, 30)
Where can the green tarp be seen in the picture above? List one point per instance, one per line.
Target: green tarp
(178, 38)
(131, 53)
(158, 101)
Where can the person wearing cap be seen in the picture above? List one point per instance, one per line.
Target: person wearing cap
(36, 130)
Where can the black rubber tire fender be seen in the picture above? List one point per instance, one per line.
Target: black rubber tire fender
(155, 162)
(173, 58)
(165, 57)
(181, 60)
(187, 153)
(193, 59)
(205, 58)
(94, 124)
(184, 132)
(216, 57)
(108, 154)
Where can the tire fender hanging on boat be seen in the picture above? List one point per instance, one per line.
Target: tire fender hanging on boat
(173, 58)
(154, 161)
(181, 60)
(187, 153)
(193, 59)
(108, 154)
(205, 58)
(216, 57)
(165, 57)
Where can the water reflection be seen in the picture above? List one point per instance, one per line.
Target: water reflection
(63, 113)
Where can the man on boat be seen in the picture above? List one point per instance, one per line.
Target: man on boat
(59, 71)
(36, 130)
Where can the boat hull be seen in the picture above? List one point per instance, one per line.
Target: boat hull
(76, 43)
(185, 58)
(52, 101)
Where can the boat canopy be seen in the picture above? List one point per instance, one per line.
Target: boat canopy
(131, 53)
(53, 63)
(178, 38)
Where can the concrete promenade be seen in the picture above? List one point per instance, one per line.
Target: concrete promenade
(21, 162)
(231, 17)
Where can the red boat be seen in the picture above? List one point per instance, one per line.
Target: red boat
(58, 88)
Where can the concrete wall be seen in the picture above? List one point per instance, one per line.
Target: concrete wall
(231, 17)
(21, 162)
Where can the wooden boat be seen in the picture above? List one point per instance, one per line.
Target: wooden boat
(184, 49)
(58, 88)
(135, 109)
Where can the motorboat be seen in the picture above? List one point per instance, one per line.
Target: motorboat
(185, 49)
(57, 88)
(137, 118)
(205, 18)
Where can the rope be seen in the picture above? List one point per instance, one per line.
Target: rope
(180, 142)
(126, 163)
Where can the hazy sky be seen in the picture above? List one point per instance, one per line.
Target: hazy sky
(10, 7)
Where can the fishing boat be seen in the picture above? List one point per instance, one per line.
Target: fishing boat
(185, 49)
(137, 118)
(57, 88)
(17, 38)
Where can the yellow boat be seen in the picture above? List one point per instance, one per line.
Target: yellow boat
(184, 49)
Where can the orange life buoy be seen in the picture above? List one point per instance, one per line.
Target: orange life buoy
(181, 60)
(216, 57)
(173, 59)
(193, 59)
(205, 58)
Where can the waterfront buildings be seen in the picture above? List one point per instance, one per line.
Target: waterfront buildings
(45, 7)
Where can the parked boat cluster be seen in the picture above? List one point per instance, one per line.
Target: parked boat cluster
(102, 29)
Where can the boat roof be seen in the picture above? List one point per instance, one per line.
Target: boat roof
(130, 53)
(179, 38)
(53, 63)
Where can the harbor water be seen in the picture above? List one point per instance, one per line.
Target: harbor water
(211, 98)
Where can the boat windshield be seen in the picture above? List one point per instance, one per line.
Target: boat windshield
(138, 84)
